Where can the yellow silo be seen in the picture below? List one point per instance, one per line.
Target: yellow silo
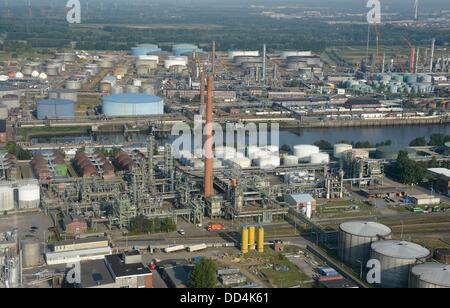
(244, 241)
(261, 239)
(251, 237)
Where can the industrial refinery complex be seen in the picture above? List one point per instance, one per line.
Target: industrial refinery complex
(136, 167)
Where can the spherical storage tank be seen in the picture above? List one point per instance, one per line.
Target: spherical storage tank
(355, 238)
(132, 104)
(55, 109)
(396, 259)
(6, 198)
(304, 151)
(430, 275)
(29, 196)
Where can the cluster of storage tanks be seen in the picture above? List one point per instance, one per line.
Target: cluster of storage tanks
(310, 154)
(263, 157)
(21, 195)
(93, 164)
(246, 59)
(405, 83)
(49, 165)
(403, 264)
(253, 238)
(342, 150)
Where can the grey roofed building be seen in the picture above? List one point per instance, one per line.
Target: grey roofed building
(120, 268)
(95, 274)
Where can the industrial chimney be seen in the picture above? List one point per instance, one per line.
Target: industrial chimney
(209, 173)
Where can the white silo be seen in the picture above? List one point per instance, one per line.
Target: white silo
(430, 276)
(6, 198)
(304, 151)
(319, 158)
(341, 149)
(29, 196)
(355, 238)
(290, 160)
(397, 258)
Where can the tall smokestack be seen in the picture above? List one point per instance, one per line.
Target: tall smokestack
(213, 58)
(209, 172)
(264, 63)
(202, 93)
(432, 54)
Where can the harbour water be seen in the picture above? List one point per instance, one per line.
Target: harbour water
(400, 136)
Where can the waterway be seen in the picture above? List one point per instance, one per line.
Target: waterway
(400, 136)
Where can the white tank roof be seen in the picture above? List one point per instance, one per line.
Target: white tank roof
(433, 273)
(365, 228)
(400, 249)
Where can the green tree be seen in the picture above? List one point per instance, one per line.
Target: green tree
(324, 145)
(408, 170)
(418, 142)
(203, 276)
(285, 148)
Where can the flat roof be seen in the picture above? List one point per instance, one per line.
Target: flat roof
(82, 241)
(302, 197)
(120, 269)
(95, 273)
(440, 171)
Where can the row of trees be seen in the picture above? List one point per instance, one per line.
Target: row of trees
(326, 145)
(141, 224)
(435, 140)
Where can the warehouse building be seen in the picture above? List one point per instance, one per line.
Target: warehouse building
(128, 271)
(80, 244)
(175, 273)
(302, 203)
(362, 102)
(132, 105)
(116, 271)
(442, 176)
(425, 200)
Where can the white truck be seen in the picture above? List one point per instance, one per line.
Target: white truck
(174, 248)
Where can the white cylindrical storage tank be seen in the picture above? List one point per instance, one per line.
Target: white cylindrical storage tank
(304, 151)
(29, 196)
(242, 162)
(31, 253)
(396, 258)
(137, 83)
(132, 89)
(268, 162)
(242, 53)
(340, 149)
(225, 153)
(355, 239)
(290, 160)
(430, 276)
(6, 198)
(117, 90)
(319, 158)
